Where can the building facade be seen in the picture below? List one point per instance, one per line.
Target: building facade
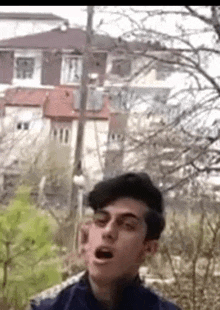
(40, 78)
(21, 24)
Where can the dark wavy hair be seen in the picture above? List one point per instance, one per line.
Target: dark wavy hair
(136, 186)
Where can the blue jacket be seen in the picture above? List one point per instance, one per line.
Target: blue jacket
(76, 294)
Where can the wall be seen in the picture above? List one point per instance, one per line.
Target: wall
(94, 148)
(20, 142)
(143, 71)
(95, 143)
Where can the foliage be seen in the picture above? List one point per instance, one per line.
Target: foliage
(26, 251)
(189, 259)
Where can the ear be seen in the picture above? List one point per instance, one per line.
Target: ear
(150, 247)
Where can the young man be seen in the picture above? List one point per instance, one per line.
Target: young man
(127, 223)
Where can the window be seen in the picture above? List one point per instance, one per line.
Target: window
(55, 134)
(19, 126)
(72, 69)
(26, 125)
(23, 125)
(121, 67)
(116, 137)
(115, 140)
(62, 135)
(66, 136)
(163, 70)
(24, 67)
(94, 100)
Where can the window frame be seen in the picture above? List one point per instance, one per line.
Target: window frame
(23, 125)
(62, 135)
(119, 62)
(66, 74)
(23, 72)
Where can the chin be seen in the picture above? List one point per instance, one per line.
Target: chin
(102, 274)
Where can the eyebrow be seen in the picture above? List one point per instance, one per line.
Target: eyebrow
(123, 215)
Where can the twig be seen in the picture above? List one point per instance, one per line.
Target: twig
(176, 276)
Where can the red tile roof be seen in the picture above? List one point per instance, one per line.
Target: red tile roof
(25, 96)
(57, 103)
(74, 39)
(60, 104)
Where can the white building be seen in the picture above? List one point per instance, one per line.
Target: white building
(44, 71)
(21, 24)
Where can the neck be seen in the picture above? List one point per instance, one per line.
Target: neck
(108, 293)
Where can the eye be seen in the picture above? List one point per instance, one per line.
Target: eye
(100, 219)
(129, 226)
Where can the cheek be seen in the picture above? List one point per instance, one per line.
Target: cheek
(94, 240)
(131, 246)
(94, 236)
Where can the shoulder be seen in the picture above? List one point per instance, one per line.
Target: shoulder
(162, 304)
(167, 305)
(46, 299)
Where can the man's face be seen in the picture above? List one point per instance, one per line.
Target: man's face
(116, 240)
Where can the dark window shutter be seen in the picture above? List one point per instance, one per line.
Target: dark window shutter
(6, 67)
(51, 68)
(121, 67)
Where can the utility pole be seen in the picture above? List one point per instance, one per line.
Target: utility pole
(77, 165)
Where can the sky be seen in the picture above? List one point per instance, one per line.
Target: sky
(111, 23)
(77, 15)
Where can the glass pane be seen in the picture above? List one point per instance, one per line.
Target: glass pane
(66, 135)
(61, 135)
(73, 69)
(26, 126)
(24, 67)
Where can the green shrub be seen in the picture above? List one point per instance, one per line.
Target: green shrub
(26, 251)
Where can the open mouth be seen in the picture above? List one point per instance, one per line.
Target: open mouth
(103, 253)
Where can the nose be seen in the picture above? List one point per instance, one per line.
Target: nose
(110, 231)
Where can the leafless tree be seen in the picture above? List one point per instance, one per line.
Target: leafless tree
(187, 38)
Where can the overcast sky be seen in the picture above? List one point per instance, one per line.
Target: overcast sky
(77, 16)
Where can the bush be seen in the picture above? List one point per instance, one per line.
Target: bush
(27, 252)
(189, 257)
